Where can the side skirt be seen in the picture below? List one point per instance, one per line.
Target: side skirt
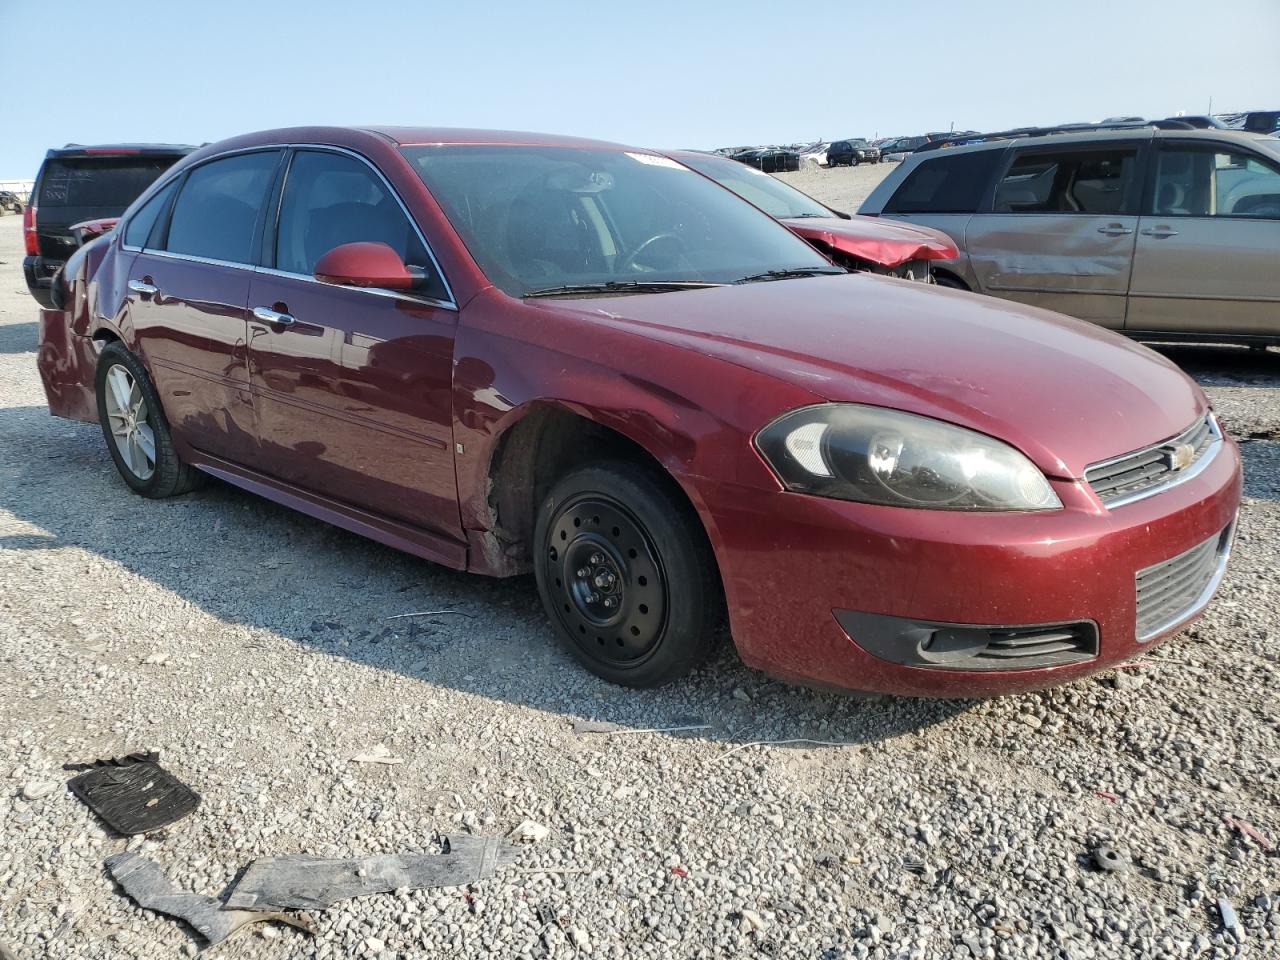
(400, 536)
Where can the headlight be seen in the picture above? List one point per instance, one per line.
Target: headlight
(875, 455)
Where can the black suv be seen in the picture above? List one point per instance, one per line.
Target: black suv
(850, 153)
(78, 183)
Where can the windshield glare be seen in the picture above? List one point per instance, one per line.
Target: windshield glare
(768, 193)
(536, 218)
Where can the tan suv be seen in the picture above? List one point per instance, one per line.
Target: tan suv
(1161, 234)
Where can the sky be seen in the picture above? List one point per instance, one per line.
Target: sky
(697, 73)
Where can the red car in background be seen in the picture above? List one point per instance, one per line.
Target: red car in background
(511, 353)
(859, 243)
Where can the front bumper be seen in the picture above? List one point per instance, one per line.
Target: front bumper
(790, 563)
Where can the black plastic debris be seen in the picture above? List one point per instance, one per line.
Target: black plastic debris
(133, 794)
(313, 883)
(144, 882)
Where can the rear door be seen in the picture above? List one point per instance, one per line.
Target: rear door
(1208, 243)
(1060, 231)
(354, 389)
(188, 293)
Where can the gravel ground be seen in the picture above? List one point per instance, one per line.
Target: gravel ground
(843, 188)
(251, 647)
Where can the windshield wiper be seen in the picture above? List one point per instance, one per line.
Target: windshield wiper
(621, 286)
(802, 216)
(789, 274)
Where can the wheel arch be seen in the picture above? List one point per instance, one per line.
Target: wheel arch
(949, 278)
(535, 445)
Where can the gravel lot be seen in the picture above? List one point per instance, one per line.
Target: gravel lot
(251, 647)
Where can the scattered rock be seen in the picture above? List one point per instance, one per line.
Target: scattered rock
(39, 789)
(1110, 859)
(377, 754)
(529, 832)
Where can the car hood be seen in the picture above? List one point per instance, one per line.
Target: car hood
(1064, 392)
(886, 242)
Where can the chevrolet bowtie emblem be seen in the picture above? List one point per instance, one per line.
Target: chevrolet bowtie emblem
(1180, 457)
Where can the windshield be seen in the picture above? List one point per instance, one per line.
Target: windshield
(538, 218)
(768, 193)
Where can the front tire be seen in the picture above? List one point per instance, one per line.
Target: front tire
(135, 428)
(626, 574)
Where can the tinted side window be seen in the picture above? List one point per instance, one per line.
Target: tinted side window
(945, 184)
(141, 223)
(216, 212)
(1214, 183)
(1080, 181)
(331, 199)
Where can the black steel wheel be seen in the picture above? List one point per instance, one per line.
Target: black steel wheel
(626, 574)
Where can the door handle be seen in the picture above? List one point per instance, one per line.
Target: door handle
(143, 289)
(1160, 231)
(273, 317)
(1115, 230)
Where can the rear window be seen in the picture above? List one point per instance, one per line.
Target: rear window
(949, 183)
(106, 183)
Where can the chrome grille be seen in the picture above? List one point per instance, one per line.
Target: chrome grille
(1171, 591)
(1149, 470)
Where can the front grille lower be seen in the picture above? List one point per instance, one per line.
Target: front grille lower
(1146, 471)
(963, 646)
(1173, 590)
(1039, 646)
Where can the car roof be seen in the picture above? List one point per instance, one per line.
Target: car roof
(1088, 136)
(354, 136)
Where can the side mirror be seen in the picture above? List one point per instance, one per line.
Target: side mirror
(365, 264)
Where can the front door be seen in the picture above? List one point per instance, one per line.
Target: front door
(189, 290)
(353, 386)
(1208, 244)
(1060, 233)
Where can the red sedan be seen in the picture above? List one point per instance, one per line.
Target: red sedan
(890, 247)
(511, 353)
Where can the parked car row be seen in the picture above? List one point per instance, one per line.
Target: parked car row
(770, 159)
(516, 353)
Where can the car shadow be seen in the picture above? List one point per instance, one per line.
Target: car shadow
(257, 565)
(1224, 365)
(18, 337)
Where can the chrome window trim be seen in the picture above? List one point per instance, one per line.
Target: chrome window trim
(451, 303)
(192, 258)
(1227, 540)
(377, 291)
(1193, 471)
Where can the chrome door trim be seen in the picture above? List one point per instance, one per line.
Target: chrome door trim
(376, 291)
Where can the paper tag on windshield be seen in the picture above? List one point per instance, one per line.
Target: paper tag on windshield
(655, 161)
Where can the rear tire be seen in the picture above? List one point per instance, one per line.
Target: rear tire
(947, 280)
(135, 428)
(626, 574)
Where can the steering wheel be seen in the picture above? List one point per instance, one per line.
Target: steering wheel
(628, 262)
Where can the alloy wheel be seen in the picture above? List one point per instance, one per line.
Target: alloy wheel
(127, 417)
